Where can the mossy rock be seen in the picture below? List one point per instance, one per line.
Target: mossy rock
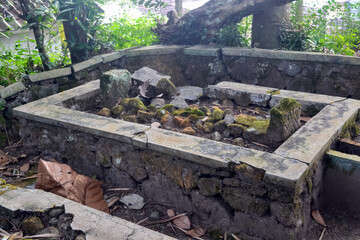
(288, 104)
(152, 108)
(169, 107)
(165, 86)
(117, 110)
(350, 130)
(104, 112)
(159, 113)
(236, 130)
(32, 225)
(245, 120)
(133, 104)
(130, 118)
(216, 115)
(259, 127)
(220, 126)
(193, 118)
(208, 127)
(143, 116)
(205, 110)
(185, 112)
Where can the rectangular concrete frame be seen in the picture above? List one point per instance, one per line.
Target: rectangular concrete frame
(287, 166)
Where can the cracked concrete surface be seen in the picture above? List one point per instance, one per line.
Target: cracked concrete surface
(95, 224)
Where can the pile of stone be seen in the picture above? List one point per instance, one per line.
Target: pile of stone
(156, 99)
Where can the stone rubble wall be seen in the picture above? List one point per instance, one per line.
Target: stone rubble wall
(199, 66)
(236, 199)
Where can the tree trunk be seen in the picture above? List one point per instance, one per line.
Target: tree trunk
(76, 38)
(267, 26)
(39, 38)
(200, 25)
(179, 7)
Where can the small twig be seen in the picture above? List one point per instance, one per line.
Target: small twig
(166, 220)
(235, 237)
(118, 189)
(4, 232)
(34, 159)
(225, 235)
(16, 144)
(184, 231)
(112, 210)
(172, 228)
(141, 221)
(112, 202)
(322, 234)
(260, 145)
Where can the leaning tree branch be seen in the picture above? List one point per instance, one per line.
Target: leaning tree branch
(200, 25)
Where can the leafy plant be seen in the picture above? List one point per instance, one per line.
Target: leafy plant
(235, 35)
(125, 31)
(334, 28)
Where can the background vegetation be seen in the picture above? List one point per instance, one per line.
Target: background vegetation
(333, 29)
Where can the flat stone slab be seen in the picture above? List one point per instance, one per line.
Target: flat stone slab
(87, 64)
(62, 72)
(310, 102)
(95, 224)
(146, 73)
(202, 50)
(190, 92)
(289, 55)
(12, 89)
(310, 142)
(217, 154)
(242, 94)
(156, 50)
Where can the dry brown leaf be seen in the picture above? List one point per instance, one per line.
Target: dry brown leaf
(196, 232)
(60, 179)
(4, 159)
(144, 88)
(305, 119)
(25, 167)
(170, 213)
(318, 218)
(183, 222)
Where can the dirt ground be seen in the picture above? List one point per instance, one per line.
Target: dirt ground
(342, 226)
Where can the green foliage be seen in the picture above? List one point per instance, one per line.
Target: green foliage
(334, 28)
(235, 35)
(150, 3)
(125, 31)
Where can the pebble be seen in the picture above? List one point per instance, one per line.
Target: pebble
(216, 136)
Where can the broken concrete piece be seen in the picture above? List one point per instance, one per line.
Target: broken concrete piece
(179, 102)
(144, 74)
(133, 201)
(114, 84)
(190, 92)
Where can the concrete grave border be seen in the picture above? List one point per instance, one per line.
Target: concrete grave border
(288, 164)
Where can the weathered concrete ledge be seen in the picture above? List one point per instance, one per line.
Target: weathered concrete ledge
(310, 142)
(12, 90)
(155, 50)
(93, 223)
(87, 64)
(289, 55)
(203, 50)
(62, 72)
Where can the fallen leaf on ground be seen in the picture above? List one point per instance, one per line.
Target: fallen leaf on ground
(196, 232)
(60, 179)
(170, 213)
(5, 159)
(305, 119)
(318, 218)
(144, 88)
(25, 167)
(183, 222)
